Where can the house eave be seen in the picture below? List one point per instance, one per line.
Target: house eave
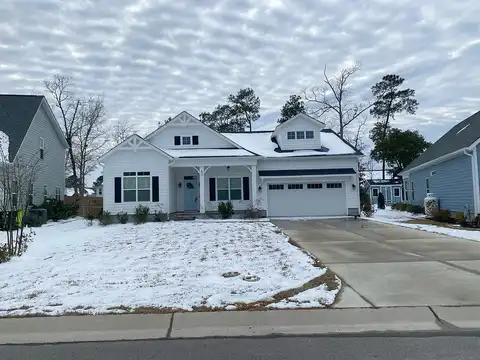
(435, 161)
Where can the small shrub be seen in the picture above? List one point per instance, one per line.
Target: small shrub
(4, 253)
(252, 212)
(367, 209)
(122, 217)
(442, 216)
(225, 209)
(160, 216)
(400, 206)
(90, 219)
(461, 220)
(415, 209)
(58, 210)
(141, 214)
(381, 201)
(106, 218)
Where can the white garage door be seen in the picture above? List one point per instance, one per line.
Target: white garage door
(312, 198)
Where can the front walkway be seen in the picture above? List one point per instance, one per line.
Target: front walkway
(386, 265)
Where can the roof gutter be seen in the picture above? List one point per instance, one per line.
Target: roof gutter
(476, 184)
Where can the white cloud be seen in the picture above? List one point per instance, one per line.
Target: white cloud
(155, 58)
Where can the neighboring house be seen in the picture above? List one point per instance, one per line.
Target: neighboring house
(35, 136)
(391, 190)
(449, 169)
(299, 169)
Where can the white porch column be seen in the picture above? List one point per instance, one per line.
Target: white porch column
(254, 185)
(201, 171)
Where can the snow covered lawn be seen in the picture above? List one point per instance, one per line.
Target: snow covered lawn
(170, 266)
(395, 217)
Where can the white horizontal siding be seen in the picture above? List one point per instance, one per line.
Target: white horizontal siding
(128, 161)
(206, 139)
(300, 124)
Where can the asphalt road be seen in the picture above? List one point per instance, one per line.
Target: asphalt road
(318, 348)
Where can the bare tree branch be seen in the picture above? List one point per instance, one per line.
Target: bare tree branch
(121, 130)
(334, 97)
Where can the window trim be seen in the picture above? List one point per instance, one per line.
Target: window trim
(295, 186)
(229, 189)
(398, 189)
(136, 176)
(314, 186)
(289, 133)
(276, 187)
(302, 137)
(309, 132)
(373, 191)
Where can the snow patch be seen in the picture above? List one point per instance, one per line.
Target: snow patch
(71, 266)
(395, 217)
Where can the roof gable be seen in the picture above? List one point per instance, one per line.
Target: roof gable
(462, 135)
(300, 116)
(186, 119)
(133, 143)
(16, 115)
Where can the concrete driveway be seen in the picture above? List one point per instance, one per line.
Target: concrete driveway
(387, 265)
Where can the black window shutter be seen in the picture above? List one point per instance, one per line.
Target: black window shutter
(213, 189)
(246, 188)
(195, 140)
(155, 189)
(118, 189)
(177, 140)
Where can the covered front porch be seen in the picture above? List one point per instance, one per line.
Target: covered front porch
(199, 188)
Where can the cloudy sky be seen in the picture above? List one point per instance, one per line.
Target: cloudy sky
(155, 58)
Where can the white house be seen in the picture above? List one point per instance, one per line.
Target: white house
(299, 169)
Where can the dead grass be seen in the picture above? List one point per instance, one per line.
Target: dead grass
(440, 224)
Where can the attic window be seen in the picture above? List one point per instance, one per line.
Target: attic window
(459, 131)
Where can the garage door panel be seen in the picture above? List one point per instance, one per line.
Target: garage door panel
(310, 199)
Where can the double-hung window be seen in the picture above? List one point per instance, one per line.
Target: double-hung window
(291, 135)
(413, 192)
(136, 186)
(309, 134)
(57, 193)
(45, 192)
(186, 140)
(229, 189)
(14, 194)
(427, 185)
(30, 193)
(300, 135)
(396, 192)
(406, 190)
(375, 192)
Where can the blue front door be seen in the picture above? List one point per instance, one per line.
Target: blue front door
(190, 194)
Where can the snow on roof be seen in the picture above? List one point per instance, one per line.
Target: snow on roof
(185, 153)
(260, 143)
(4, 145)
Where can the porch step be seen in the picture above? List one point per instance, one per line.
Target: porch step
(185, 216)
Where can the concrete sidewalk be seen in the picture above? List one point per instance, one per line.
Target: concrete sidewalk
(233, 323)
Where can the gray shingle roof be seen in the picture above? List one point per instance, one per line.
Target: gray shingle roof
(460, 136)
(16, 115)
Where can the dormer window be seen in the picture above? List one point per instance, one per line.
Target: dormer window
(185, 140)
(309, 134)
(300, 135)
(291, 135)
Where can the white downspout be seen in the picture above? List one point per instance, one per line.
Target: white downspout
(476, 187)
